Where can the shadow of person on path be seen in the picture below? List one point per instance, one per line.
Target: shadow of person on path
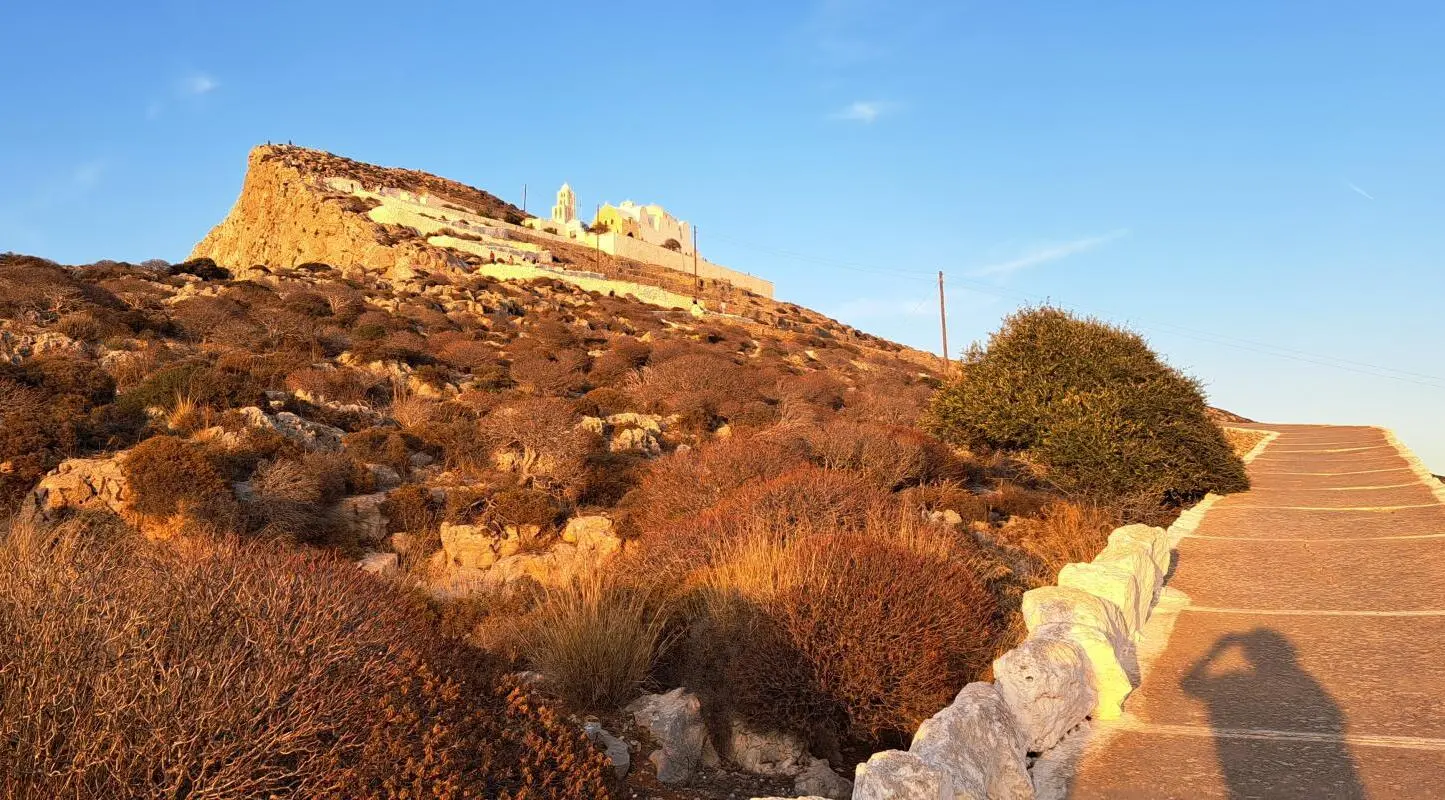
(1252, 682)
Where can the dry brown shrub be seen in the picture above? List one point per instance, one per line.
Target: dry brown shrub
(817, 388)
(558, 373)
(470, 355)
(411, 508)
(804, 499)
(1013, 500)
(893, 457)
(702, 387)
(381, 446)
(1061, 533)
(279, 674)
(169, 476)
(847, 638)
(596, 640)
(546, 446)
(342, 384)
(684, 484)
(946, 495)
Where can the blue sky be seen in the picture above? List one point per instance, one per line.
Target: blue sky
(1258, 187)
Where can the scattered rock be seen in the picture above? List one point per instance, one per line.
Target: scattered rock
(79, 483)
(311, 435)
(675, 721)
(361, 517)
(770, 754)
(378, 563)
(469, 546)
(896, 775)
(946, 517)
(819, 780)
(383, 476)
(615, 748)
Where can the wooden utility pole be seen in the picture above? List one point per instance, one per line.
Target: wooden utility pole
(524, 198)
(943, 321)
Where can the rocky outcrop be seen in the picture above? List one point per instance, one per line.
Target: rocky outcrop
(79, 483)
(476, 556)
(285, 217)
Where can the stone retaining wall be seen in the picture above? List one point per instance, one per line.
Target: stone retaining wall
(1078, 663)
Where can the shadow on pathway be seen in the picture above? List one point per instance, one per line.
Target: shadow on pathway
(1251, 683)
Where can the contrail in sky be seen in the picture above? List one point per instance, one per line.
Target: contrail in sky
(1360, 191)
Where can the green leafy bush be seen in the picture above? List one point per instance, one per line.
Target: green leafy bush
(1093, 404)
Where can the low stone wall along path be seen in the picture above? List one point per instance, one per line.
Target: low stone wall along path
(1309, 658)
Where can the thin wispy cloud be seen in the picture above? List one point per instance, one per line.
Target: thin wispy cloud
(1361, 192)
(190, 89)
(198, 83)
(1043, 254)
(864, 111)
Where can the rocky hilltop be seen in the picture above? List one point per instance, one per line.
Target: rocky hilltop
(300, 206)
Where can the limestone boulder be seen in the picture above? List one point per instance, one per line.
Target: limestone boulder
(1155, 540)
(1137, 559)
(634, 440)
(1111, 582)
(976, 741)
(896, 775)
(675, 721)
(819, 780)
(361, 516)
(383, 476)
(469, 546)
(378, 563)
(1048, 605)
(79, 483)
(308, 434)
(1046, 684)
(1107, 676)
(773, 754)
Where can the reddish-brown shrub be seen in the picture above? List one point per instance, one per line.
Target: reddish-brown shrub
(850, 638)
(802, 501)
(679, 485)
(892, 457)
(168, 475)
(280, 675)
(541, 440)
(817, 388)
(1013, 500)
(381, 446)
(341, 384)
(1062, 533)
(411, 508)
(558, 373)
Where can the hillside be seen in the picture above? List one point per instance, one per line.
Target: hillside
(597, 485)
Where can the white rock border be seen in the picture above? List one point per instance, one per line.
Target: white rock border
(1074, 666)
(1416, 465)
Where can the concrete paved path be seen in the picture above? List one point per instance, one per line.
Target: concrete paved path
(1309, 661)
